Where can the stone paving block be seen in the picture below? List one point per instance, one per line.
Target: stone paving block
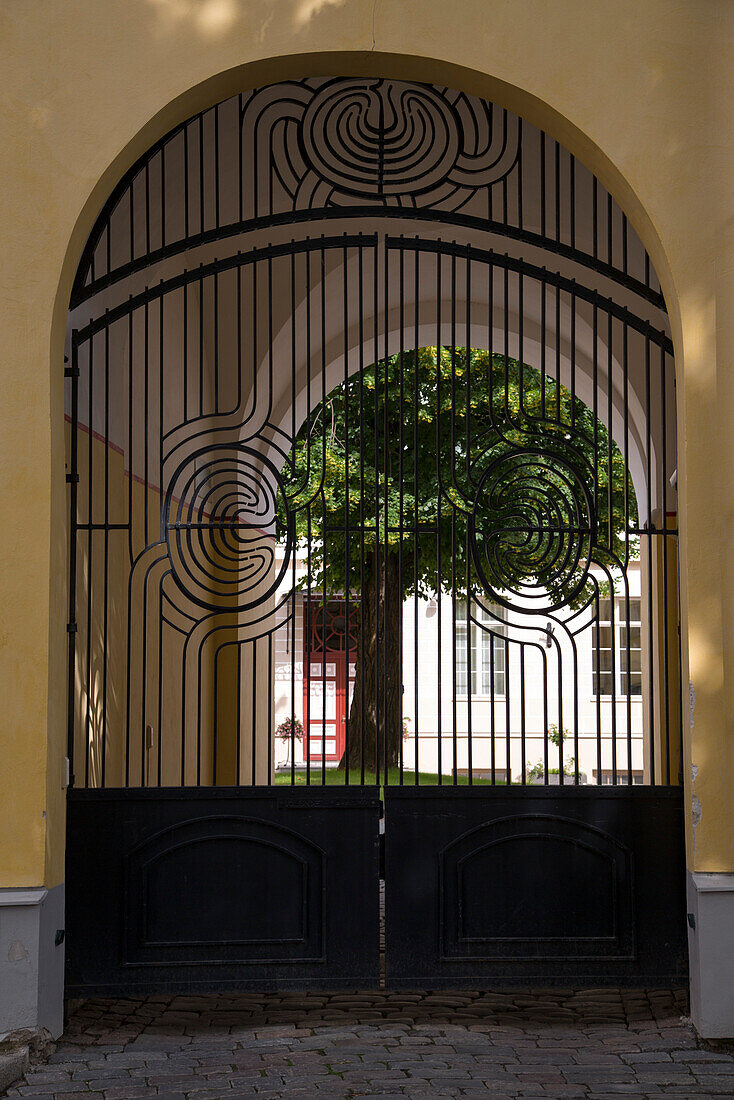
(60, 1088)
(125, 1092)
(15, 1094)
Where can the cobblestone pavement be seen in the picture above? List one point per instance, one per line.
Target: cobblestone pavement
(596, 1044)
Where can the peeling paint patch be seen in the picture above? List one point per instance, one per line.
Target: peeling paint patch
(691, 700)
(696, 807)
(17, 952)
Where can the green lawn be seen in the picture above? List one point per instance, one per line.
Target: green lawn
(336, 777)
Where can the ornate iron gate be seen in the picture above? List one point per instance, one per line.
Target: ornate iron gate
(466, 452)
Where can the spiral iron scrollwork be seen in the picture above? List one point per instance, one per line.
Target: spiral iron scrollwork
(391, 142)
(222, 527)
(380, 138)
(532, 530)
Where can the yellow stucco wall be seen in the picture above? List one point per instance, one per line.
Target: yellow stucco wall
(641, 92)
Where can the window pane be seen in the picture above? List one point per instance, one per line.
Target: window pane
(635, 660)
(475, 650)
(602, 637)
(499, 681)
(609, 647)
(603, 660)
(603, 684)
(461, 659)
(635, 683)
(499, 655)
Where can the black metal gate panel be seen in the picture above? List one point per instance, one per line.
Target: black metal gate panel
(537, 886)
(186, 890)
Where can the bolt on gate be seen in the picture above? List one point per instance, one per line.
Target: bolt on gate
(373, 559)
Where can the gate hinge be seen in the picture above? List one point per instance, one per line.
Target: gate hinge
(72, 479)
(71, 628)
(71, 372)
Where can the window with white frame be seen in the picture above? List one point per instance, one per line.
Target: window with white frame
(487, 649)
(616, 649)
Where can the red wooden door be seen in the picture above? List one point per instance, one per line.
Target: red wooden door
(324, 707)
(329, 681)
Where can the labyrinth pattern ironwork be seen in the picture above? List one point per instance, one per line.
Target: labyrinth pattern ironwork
(315, 150)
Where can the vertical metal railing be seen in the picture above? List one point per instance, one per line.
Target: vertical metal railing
(394, 427)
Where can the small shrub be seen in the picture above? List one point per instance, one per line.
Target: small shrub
(537, 771)
(289, 728)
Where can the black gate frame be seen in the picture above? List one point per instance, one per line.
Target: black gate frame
(291, 899)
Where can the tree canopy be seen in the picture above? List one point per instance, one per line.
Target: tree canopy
(469, 468)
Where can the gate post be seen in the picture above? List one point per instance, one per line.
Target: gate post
(33, 642)
(706, 491)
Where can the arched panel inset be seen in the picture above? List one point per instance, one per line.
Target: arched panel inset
(246, 890)
(570, 896)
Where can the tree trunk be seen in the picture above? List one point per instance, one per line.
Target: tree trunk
(375, 726)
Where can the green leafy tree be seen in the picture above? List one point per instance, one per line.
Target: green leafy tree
(449, 471)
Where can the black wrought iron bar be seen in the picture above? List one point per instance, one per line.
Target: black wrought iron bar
(388, 673)
(253, 719)
(322, 302)
(269, 724)
(90, 560)
(651, 632)
(238, 719)
(416, 350)
(401, 507)
(71, 624)
(508, 731)
(610, 528)
(523, 686)
(362, 513)
(452, 429)
(467, 552)
(306, 217)
(348, 526)
(377, 509)
(665, 578)
(105, 595)
(625, 452)
(131, 552)
(227, 263)
(308, 617)
(439, 617)
(519, 265)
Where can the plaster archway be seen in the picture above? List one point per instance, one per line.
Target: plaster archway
(216, 86)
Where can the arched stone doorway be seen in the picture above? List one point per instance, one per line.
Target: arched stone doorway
(264, 255)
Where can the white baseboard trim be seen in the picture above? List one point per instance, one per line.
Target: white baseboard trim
(31, 960)
(711, 949)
